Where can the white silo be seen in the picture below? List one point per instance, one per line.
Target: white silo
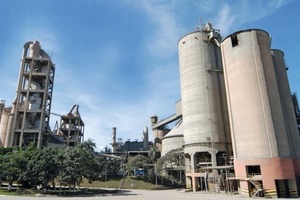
(205, 130)
(258, 129)
(3, 125)
(173, 140)
(286, 103)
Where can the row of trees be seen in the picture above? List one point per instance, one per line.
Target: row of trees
(68, 166)
(46, 166)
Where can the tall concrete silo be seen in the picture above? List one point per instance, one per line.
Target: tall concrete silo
(288, 108)
(261, 146)
(3, 125)
(286, 102)
(204, 112)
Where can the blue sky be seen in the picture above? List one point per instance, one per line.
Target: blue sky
(118, 59)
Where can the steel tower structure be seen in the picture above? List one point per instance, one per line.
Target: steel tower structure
(29, 119)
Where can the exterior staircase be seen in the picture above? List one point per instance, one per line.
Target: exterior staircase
(258, 189)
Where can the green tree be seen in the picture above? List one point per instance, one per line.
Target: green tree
(13, 166)
(153, 153)
(172, 165)
(42, 167)
(90, 162)
(71, 170)
(79, 162)
(136, 162)
(89, 145)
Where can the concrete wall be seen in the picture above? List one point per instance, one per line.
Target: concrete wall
(252, 94)
(201, 93)
(287, 105)
(173, 140)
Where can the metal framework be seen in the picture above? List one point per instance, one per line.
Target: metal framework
(34, 97)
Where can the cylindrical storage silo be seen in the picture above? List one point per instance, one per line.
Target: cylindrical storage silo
(252, 92)
(3, 125)
(173, 140)
(9, 133)
(287, 103)
(256, 115)
(202, 96)
(158, 134)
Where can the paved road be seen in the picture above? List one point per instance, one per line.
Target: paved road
(141, 195)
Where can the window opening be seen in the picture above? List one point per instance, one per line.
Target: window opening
(234, 40)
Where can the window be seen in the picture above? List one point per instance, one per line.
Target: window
(234, 40)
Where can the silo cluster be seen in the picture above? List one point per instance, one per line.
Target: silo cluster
(262, 120)
(237, 114)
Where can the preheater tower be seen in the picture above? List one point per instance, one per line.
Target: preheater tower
(205, 123)
(263, 128)
(29, 119)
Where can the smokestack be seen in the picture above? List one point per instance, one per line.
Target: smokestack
(113, 139)
(146, 139)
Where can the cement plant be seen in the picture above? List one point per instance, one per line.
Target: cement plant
(236, 123)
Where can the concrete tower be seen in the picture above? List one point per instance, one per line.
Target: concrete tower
(29, 119)
(72, 127)
(205, 121)
(263, 125)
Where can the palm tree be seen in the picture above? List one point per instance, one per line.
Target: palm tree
(152, 153)
(89, 145)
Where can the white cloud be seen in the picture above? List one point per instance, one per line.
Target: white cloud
(225, 19)
(42, 31)
(165, 30)
(235, 15)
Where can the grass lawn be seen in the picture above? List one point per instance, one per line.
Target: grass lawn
(87, 189)
(129, 183)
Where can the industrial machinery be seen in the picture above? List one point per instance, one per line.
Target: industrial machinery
(71, 128)
(30, 114)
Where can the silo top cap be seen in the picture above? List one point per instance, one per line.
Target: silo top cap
(246, 30)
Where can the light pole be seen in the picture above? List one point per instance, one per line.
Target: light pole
(105, 175)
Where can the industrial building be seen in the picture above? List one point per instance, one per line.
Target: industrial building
(237, 120)
(129, 148)
(70, 130)
(27, 120)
